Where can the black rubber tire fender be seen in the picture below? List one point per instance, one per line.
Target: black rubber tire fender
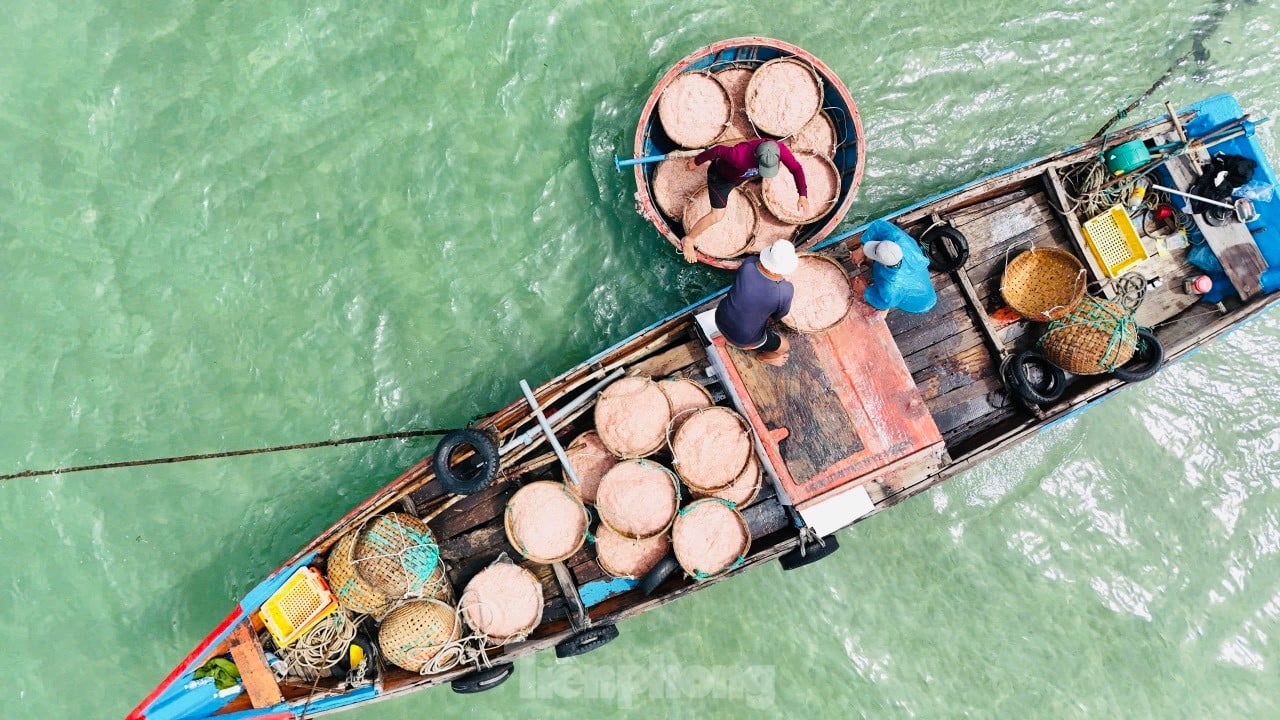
(482, 680)
(946, 247)
(584, 642)
(484, 467)
(657, 574)
(1043, 393)
(1146, 360)
(813, 552)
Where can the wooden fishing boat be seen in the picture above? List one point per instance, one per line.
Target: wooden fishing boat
(864, 416)
(752, 52)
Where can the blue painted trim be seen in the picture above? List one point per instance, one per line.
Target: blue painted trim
(333, 702)
(256, 713)
(597, 591)
(250, 603)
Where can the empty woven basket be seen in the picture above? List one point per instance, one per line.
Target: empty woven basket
(1043, 284)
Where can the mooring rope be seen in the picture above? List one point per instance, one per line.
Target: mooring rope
(1197, 52)
(229, 453)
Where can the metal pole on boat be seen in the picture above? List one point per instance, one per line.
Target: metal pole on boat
(527, 437)
(619, 163)
(546, 429)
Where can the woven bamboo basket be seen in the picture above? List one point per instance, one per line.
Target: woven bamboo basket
(503, 603)
(731, 237)
(590, 460)
(817, 136)
(735, 80)
(629, 495)
(743, 490)
(705, 474)
(533, 505)
(823, 179)
(619, 403)
(710, 537)
(816, 283)
(1043, 284)
(774, 113)
(397, 554)
(1095, 337)
(623, 557)
(694, 109)
(354, 593)
(684, 395)
(414, 633)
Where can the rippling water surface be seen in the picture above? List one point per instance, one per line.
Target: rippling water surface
(235, 224)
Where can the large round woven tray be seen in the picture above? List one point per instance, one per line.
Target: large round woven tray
(623, 557)
(818, 136)
(638, 499)
(354, 593)
(545, 522)
(820, 174)
(1043, 284)
(674, 184)
(590, 460)
(711, 448)
(414, 633)
(694, 109)
(503, 603)
(735, 81)
(743, 490)
(730, 237)
(710, 537)
(769, 229)
(684, 395)
(782, 96)
(823, 296)
(631, 416)
(1097, 336)
(397, 554)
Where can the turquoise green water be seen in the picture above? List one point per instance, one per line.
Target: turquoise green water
(237, 224)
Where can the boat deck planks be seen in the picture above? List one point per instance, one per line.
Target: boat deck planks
(844, 405)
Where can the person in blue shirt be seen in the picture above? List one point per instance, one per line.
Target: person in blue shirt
(899, 270)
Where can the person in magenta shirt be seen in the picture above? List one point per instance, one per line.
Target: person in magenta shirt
(732, 165)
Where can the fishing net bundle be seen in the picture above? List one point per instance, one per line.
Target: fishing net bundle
(631, 417)
(638, 498)
(730, 237)
(823, 181)
(545, 522)
(624, 557)
(711, 448)
(710, 537)
(823, 296)
(503, 603)
(590, 460)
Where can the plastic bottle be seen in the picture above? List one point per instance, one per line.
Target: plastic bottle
(1136, 197)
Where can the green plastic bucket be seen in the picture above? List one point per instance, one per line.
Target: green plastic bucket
(1127, 157)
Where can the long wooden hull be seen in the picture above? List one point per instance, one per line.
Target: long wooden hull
(952, 372)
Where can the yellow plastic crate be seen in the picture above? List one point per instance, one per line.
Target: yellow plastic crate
(297, 606)
(1114, 241)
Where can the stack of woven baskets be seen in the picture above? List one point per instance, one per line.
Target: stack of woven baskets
(1086, 335)
(390, 569)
